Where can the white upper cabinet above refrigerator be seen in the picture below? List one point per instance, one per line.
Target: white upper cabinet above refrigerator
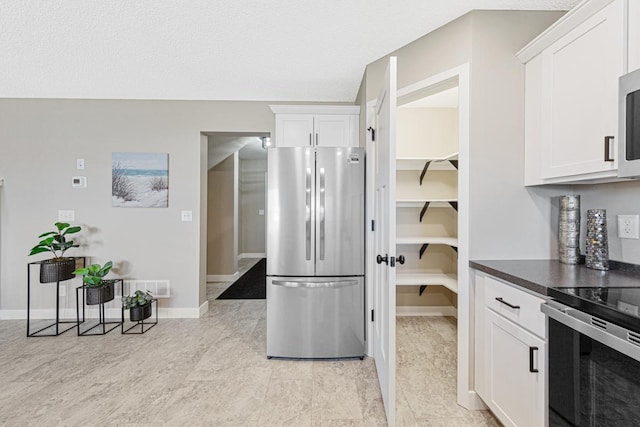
(316, 125)
(571, 95)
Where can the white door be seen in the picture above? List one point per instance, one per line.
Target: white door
(516, 362)
(580, 96)
(384, 325)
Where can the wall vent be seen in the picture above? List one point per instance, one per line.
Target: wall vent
(633, 338)
(158, 288)
(599, 323)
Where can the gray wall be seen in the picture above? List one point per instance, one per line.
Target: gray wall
(221, 257)
(41, 140)
(620, 198)
(506, 220)
(251, 200)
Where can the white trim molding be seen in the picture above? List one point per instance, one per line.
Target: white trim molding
(110, 313)
(204, 308)
(315, 109)
(252, 255)
(223, 277)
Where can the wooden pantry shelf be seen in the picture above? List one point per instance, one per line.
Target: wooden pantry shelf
(417, 163)
(449, 281)
(428, 240)
(418, 203)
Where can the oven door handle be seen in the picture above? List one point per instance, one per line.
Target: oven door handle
(608, 334)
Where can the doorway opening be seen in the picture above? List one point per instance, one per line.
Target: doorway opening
(236, 206)
(422, 138)
(427, 196)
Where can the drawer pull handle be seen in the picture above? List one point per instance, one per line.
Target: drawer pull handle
(500, 300)
(607, 148)
(531, 368)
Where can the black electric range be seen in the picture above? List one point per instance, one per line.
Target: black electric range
(620, 306)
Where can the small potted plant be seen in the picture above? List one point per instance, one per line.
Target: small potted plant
(58, 268)
(139, 305)
(98, 290)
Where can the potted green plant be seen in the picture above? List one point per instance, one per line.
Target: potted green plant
(139, 305)
(98, 290)
(58, 268)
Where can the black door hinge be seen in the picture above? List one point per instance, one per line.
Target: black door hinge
(392, 262)
(373, 133)
(372, 316)
(373, 225)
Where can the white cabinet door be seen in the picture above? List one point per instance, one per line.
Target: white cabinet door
(332, 130)
(294, 130)
(580, 95)
(516, 390)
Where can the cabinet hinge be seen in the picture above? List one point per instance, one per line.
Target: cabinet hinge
(373, 225)
(373, 133)
(372, 316)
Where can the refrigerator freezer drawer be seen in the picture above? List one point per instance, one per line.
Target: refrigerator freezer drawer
(315, 317)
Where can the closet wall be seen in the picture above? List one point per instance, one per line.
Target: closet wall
(427, 237)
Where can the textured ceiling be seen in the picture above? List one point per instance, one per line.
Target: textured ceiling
(288, 50)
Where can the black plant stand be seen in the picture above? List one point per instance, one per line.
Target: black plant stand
(104, 326)
(144, 326)
(41, 332)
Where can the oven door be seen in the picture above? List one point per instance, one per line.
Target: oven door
(594, 370)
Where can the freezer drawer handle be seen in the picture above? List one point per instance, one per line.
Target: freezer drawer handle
(335, 284)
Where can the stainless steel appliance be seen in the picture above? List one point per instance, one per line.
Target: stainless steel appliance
(594, 356)
(315, 252)
(629, 129)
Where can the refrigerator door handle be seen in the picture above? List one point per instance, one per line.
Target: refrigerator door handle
(322, 213)
(308, 213)
(334, 284)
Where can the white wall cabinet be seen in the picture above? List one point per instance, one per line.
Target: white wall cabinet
(510, 365)
(316, 126)
(571, 92)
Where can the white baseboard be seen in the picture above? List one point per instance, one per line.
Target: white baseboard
(417, 310)
(252, 255)
(471, 401)
(204, 308)
(223, 277)
(110, 313)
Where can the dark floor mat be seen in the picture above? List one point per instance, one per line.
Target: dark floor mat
(252, 284)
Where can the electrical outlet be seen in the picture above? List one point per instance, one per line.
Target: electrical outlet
(629, 226)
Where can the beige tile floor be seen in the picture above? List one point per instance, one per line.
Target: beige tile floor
(212, 371)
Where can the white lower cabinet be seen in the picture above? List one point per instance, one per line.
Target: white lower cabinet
(510, 364)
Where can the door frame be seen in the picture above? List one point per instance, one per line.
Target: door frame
(466, 395)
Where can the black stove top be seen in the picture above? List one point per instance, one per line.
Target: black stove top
(620, 306)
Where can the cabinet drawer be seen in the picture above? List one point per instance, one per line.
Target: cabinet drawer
(516, 305)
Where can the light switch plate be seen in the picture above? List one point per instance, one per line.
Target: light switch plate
(80, 164)
(66, 215)
(261, 212)
(187, 216)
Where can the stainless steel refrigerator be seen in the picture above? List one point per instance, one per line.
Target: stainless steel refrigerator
(315, 252)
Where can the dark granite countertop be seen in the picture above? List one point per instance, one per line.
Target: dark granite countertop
(539, 275)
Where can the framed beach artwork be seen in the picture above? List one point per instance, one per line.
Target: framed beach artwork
(140, 180)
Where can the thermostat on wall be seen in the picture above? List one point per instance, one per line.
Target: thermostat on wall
(79, 181)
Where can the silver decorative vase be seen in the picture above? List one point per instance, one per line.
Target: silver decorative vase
(569, 230)
(597, 247)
